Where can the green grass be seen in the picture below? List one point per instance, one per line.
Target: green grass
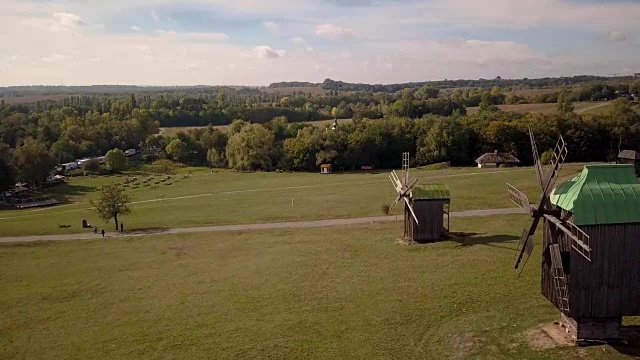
(545, 108)
(227, 197)
(343, 292)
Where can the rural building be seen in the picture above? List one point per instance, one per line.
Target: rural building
(630, 157)
(130, 152)
(602, 289)
(431, 206)
(325, 169)
(70, 166)
(497, 159)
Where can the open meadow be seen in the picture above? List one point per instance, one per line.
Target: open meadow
(546, 108)
(226, 197)
(337, 292)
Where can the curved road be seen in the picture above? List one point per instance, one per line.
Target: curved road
(241, 227)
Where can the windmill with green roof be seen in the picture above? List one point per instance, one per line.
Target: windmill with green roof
(426, 207)
(591, 244)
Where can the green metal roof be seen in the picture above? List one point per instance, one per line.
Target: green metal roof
(601, 194)
(432, 191)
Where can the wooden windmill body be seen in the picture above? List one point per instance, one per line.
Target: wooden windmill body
(426, 207)
(591, 245)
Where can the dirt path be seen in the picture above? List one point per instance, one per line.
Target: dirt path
(593, 107)
(244, 227)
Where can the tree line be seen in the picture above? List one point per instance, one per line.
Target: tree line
(456, 139)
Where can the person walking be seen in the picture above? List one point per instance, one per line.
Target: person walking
(121, 227)
(102, 232)
(95, 229)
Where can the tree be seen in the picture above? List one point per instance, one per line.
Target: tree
(33, 161)
(178, 149)
(112, 201)
(564, 105)
(251, 149)
(7, 173)
(116, 160)
(215, 158)
(91, 165)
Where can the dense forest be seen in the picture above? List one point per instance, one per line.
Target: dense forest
(548, 82)
(267, 132)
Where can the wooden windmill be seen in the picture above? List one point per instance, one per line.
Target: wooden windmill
(425, 207)
(591, 227)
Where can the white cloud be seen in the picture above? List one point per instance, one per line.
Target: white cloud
(68, 20)
(66, 48)
(333, 32)
(299, 41)
(271, 26)
(266, 52)
(191, 36)
(617, 36)
(136, 28)
(154, 15)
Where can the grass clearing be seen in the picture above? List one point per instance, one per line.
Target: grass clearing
(545, 108)
(227, 197)
(341, 292)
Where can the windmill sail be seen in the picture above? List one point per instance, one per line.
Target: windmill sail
(559, 279)
(579, 239)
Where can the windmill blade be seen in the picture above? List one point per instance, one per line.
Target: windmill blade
(520, 198)
(525, 246)
(559, 278)
(579, 239)
(395, 202)
(408, 189)
(557, 160)
(410, 206)
(396, 182)
(536, 159)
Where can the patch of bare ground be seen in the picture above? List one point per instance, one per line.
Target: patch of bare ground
(548, 336)
(462, 346)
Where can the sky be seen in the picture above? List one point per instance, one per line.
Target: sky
(256, 42)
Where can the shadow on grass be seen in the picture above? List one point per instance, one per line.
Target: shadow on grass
(630, 344)
(145, 231)
(471, 239)
(63, 193)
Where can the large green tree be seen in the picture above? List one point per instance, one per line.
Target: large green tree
(112, 201)
(116, 160)
(33, 161)
(251, 149)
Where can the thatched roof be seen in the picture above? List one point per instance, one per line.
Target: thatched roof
(629, 154)
(497, 157)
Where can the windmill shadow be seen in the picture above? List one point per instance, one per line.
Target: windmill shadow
(630, 341)
(467, 239)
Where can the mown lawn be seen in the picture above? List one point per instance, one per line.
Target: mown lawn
(543, 108)
(227, 197)
(331, 293)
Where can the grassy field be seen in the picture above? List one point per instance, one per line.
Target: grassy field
(316, 90)
(227, 197)
(344, 292)
(26, 99)
(171, 131)
(536, 108)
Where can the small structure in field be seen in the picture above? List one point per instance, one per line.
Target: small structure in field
(630, 157)
(426, 208)
(497, 159)
(326, 169)
(590, 249)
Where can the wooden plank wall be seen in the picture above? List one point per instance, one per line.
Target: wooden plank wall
(430, 214)
(609, 285)
(548, 286)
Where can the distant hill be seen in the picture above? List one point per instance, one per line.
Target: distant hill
(293, 84)
(547, 82)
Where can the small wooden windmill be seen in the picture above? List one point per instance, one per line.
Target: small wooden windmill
(425, 206)
(591, 227)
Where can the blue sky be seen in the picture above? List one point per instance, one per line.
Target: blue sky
(255, 42)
